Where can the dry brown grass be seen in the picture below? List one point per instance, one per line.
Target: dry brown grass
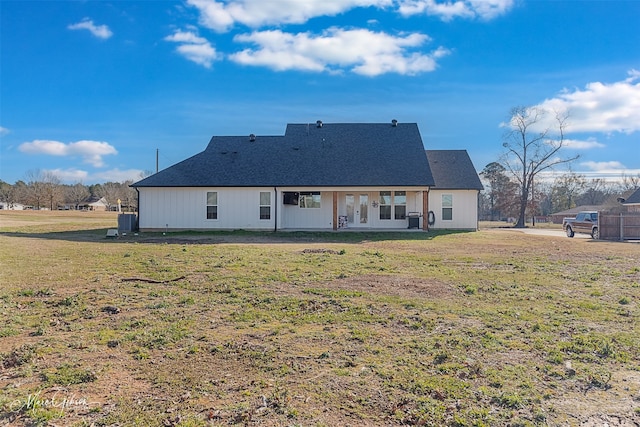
(489, 328)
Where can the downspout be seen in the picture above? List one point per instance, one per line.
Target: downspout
(138, 218)
(275, 209)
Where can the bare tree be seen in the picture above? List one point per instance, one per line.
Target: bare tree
(35, 189)
(129, 196)
(629, 182)
(52, 189)
(77, 194)
(597, 192)
(532, 147)
(111, 192)
(43, 189)
(7, 194)
(565, 190)
(21, 192)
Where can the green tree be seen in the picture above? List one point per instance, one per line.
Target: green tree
(500, 191)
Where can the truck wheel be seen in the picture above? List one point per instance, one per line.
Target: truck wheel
(595, 233)
(569, 231)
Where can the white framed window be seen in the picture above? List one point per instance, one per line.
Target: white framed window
(310, 200)
(395, 202)
(400, 204)
(385, 205)
(212, 205)
(447, 207)
(265, 205)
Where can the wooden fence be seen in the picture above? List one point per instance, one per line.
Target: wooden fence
(619, 226)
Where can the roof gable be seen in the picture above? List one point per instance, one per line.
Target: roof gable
(633, 199)
(342, 154)
(453, 170)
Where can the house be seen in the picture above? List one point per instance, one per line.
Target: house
(632, 203)
(317, 176)
(94, 204)
(455, 178)
(11, 206)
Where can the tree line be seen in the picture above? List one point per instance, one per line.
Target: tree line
(44, 190)
(534, 142)
(501, 197)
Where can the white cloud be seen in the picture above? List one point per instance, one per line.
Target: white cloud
(221, 16)
(69, 175)
(117, 175)
(4, 131)
(361, 51)
(193, 47)
(100, 31)
(583, 145)
(448, 10)
(613, 171)
(633, 75)
(601, 107)
(604, 166)
(113, 175)
(186, 37)
(91, 151)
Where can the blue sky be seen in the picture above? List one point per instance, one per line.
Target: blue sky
(91, 89)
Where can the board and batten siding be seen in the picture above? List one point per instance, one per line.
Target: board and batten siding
(464, 209)
(293, 217)
(186, 209)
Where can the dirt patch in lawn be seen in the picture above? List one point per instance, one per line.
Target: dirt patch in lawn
(406, 287)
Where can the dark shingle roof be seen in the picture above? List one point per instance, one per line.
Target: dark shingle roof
(633, 199)
(344, 154)
(453, 170)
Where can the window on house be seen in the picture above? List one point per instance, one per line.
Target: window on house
(385, 205)
(447, 207)
(265, 205)
(310, 200)
(400, 202)
(396, 204)
(212, 205)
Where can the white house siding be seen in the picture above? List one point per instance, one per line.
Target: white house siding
(464, 209)
(414, 204)
(186, 208)
(294, 217)
(239, 208)
(13, 207)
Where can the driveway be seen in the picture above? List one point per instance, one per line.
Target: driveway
(544, 232)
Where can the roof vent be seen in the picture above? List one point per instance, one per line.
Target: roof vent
(252, 137)
(319, 123)
(394, 123)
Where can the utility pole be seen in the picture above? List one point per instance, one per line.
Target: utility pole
(157, 152)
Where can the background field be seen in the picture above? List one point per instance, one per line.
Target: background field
(494, 327)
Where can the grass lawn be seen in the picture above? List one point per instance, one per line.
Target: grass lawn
(485, 328)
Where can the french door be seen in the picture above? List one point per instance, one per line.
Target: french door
(357, 209)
